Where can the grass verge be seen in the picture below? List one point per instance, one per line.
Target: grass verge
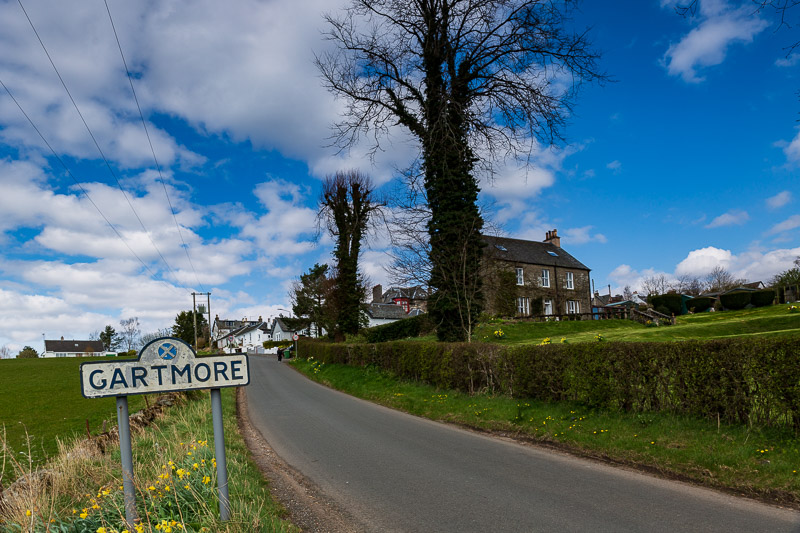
(80, 489)
(759, 462)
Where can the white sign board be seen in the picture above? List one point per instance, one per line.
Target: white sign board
(164, 365)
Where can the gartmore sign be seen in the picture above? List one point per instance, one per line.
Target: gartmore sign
(164, 365)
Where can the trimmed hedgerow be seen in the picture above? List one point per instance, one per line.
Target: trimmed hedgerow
(672, 301)
(735, 300)
(762, 298)
(700, 303)
(753, 381)
(401, 329)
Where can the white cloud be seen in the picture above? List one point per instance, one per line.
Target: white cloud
(615, 166)
(752, 265)
(734, 217)
(582, 235)
(719, 26)
(791, 149)
(779, 200)
(790, 61)
(787, 225)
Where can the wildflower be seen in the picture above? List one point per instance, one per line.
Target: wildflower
(101, 529)
(84, 514)
(27, 512)
(206, 480)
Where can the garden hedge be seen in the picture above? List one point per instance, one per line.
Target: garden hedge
(762, 298)
(735, 300)
(401, 329)
(672, 301)
(753, 381)
(700, 303)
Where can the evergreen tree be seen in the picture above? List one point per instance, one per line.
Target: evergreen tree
(184, 326)
(27, 353)
(310, 300)
(110, 339)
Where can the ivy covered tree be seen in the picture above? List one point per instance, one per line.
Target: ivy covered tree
(475, 82)
(347, 205)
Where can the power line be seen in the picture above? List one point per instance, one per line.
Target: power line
(84, 191)
(97, 145)
(149, 140)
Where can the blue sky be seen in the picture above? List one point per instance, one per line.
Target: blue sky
(687, 160)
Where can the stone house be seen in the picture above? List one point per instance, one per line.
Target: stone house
(530, 278)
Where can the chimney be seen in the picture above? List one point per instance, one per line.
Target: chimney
(551, 237)
(377, 294)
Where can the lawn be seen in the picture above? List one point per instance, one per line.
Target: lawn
(41, 398)
(773, 320)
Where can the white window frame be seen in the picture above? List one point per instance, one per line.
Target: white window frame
(520, 276)
(570, 281)
(573, 307)
(546, 277)
(548, 307)
(524, 306)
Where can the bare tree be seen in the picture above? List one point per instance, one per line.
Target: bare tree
(476, 82)
(719, 279)
(655, 284)
(687, 284)
(5, 352)
(627, 293)
(130, 333)
(347, 207)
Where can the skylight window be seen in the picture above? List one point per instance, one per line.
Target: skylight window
(552, 253)
(500, 247)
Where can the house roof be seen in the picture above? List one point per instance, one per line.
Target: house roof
(411, 293)
(73, 346)
(280, 323)
(531, 252)
(385, 311)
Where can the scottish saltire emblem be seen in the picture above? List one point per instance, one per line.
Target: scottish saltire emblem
(167, 351)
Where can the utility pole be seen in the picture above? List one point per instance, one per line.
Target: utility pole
(194, 315)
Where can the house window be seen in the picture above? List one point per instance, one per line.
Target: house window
(545, 278)
(523, 306)
(573, 307)
(570, 281)
(520, 279)
(548, 307)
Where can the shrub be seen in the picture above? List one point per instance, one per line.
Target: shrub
(762, 298)
(672, 301)
(748, 380)
(701, 303)
(735, 300)
(402, 329)
(663, 310)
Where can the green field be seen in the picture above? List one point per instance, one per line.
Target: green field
(774, 320)
(41, 400)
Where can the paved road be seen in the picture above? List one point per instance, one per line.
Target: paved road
(396, 472)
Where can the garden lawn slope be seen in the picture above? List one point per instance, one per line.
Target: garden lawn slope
(769, 321)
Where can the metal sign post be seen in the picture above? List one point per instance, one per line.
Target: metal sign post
(167, 364)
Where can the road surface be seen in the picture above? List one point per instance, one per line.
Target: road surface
(396, 472)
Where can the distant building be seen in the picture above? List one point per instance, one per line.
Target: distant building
(409, 298)
(379, 314)
(74, 348)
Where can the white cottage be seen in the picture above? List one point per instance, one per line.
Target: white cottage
(74, 348)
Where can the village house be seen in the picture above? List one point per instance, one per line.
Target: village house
(409, 298)
(379, 313)
(74, 348)
(530, 278)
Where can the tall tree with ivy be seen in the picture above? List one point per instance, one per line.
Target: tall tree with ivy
(347, 208)
(476, 82)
